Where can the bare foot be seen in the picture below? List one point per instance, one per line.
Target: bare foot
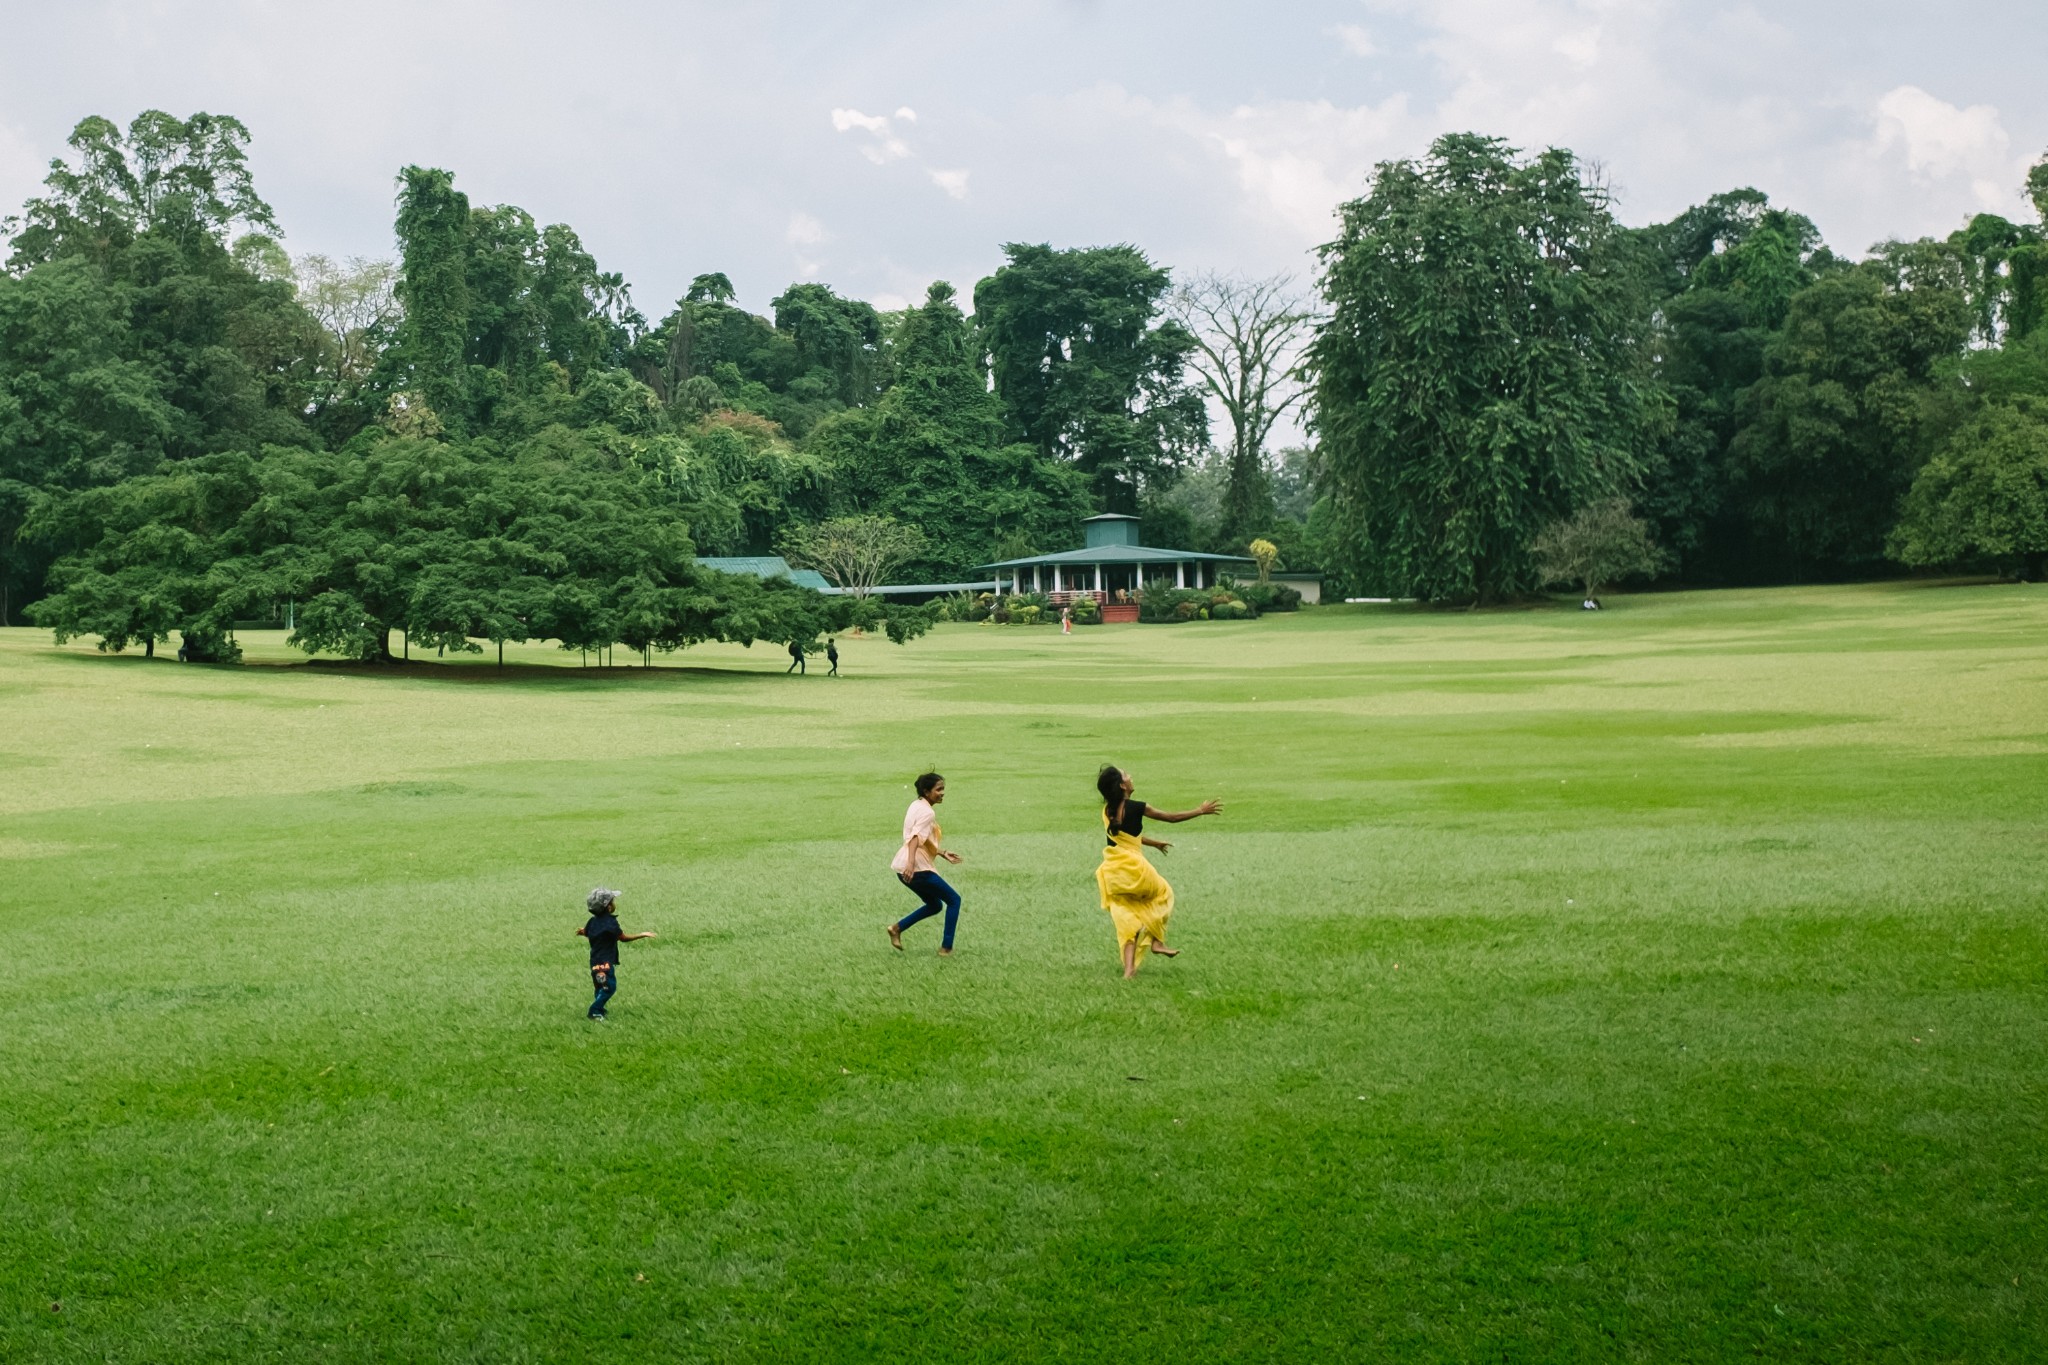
(945, 952)
(895, 936)
(1130, 972)
(1161, 950)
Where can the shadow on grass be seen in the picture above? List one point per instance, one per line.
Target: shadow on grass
(529, 675)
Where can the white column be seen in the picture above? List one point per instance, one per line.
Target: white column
(1180, 573)
(1098, 578)
(1056, 579)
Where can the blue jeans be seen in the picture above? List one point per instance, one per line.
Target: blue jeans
(604, 978)
(931, 888)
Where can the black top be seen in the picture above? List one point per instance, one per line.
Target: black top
(1133, 822)
(603, 933)
(831, 649)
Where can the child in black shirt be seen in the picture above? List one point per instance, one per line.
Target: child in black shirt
(602, 930)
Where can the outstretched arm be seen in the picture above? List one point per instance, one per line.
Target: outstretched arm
(628, 938)
(1174, 817)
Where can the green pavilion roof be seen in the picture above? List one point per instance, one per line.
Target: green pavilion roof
(1118, 554)
(767, 566)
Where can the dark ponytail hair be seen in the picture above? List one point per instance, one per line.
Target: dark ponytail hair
(925, 783)
(1110, 782)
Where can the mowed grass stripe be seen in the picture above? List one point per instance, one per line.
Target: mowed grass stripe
(1665, 985)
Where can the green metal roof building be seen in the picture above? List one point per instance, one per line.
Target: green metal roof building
(1111, 560)
(768, 566)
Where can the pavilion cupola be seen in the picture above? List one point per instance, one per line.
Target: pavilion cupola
(1111, 528)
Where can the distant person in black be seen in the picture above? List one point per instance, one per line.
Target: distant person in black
(602, 930)
(832, 653)
(796, 659)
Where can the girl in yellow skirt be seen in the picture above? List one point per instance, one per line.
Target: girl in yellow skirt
(1138, 899)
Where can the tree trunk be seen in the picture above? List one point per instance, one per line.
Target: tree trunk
(149, 648)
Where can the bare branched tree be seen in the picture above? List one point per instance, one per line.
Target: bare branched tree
(856, 553)
(354, 303)
(1248, 335)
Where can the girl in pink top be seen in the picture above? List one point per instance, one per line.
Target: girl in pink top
(913, 864)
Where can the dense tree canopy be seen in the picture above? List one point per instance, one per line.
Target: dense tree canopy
(485, 440)
(933, 453)
(1983, 498)
(1727, 271)
(1483, 369)
(1834, 431)
(1086, 369)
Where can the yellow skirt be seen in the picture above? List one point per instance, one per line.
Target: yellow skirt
(1138, 899)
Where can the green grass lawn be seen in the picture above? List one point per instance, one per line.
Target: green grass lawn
(1667, 985)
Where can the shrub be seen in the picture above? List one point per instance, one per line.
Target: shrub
(1168, 603)
(1265, 597)
(1087, 612)
(1026, 613)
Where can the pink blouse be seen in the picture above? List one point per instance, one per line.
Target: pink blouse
(920, 823)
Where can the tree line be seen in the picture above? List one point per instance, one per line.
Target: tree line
(486, 440)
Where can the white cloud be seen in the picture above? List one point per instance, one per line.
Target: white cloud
(1581, 48)
(1355, 39)
(804, 230)
(1941, 143)
(846, 120)
(887, 146)
(1227, 136)
(1294, 160)
(1667, 103)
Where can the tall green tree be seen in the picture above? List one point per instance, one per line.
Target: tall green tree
(1983, 498)
(1086, 369)
(709, 353)
(840, 337)
(1847, 410)
(1484, 368)
(78, 408)
(131, 330)
(933, 453)
(433, 289)
(182, 178)
(1731, 267)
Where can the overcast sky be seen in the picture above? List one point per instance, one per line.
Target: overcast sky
(878, 147)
